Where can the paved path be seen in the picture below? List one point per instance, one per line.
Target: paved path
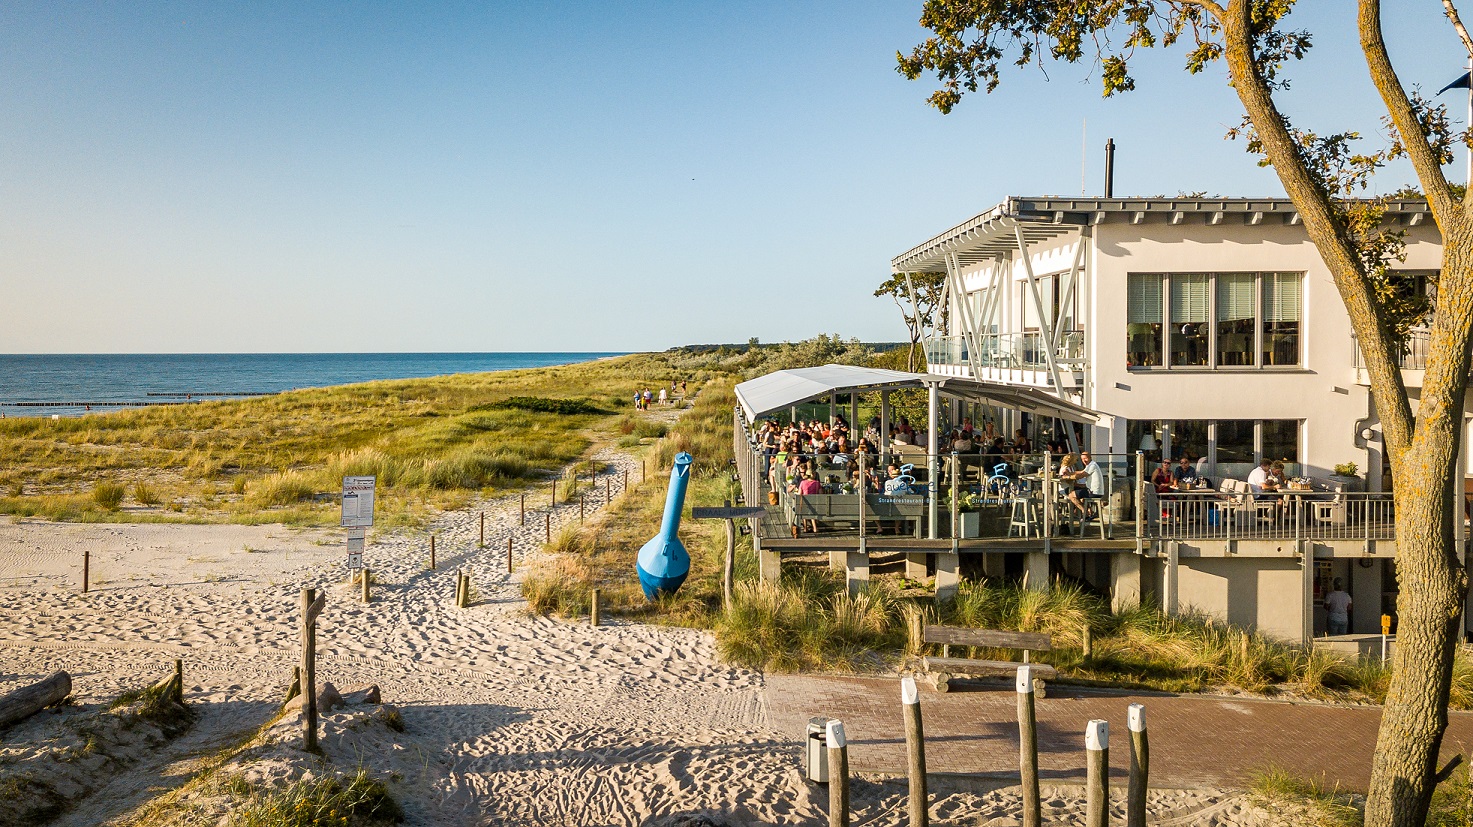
(1196, 741)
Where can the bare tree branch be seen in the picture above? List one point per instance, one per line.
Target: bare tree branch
(1404, 117)
(1452, 15)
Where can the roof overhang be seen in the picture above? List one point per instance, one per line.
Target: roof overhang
(992, 235)
(780, 390)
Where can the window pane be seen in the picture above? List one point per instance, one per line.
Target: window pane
(1236, 318)
(1189, 439)
(1143, 301)
(1189, 301)
(1145, 435)
(1281, 443)
(1235, 448)
(1281, 301)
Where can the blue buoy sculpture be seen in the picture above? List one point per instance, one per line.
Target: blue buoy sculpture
(663, 563)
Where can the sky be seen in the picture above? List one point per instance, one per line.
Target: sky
(521, 176)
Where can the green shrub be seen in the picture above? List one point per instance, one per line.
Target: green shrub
(109, 495)
(320, 803)
(287, 488)
(538, 404)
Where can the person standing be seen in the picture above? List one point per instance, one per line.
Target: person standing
(664, 397)
(1337, 610)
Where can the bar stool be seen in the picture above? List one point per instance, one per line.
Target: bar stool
(1024, 517)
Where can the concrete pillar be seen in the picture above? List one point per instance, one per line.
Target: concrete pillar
(1306, 593)
(1170, 581)
(915, 566)
(1035, 570)
(948, 575)
(884, 447)
(1365, 597)
(1125, 580)
(994, 564)
(838, 560)
(769, 565)
(856, 571)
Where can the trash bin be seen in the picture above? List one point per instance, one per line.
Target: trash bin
(816, 753)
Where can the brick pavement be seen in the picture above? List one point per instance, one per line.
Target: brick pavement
(1196, 741)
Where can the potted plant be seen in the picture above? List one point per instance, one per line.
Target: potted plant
(1347, 476)
(969, 521)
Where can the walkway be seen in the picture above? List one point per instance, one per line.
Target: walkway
(1196, 741)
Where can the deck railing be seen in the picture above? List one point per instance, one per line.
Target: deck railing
(1007, 351)
(1022, 496)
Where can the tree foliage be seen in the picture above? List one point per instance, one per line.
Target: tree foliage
(923, 312)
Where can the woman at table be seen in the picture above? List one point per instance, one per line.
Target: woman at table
(1021, 444)
(1163, 479)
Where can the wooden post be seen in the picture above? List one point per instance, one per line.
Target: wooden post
(1140, 767)
(524, 508)
(1028, 748)
(641, 471)
(838, 747)
(1097, 774)
(432, 552)
(728, 569)
(1087, 642)
(459, 588)
(311, 606)
(915, 742)
(86, 568)
(547, 527)
(508, 555)
(580, 508)
(554, 492)
(366, 578)
(608, 489)
(626, 480)
(482, 544)
(178, 681)
(593, 607)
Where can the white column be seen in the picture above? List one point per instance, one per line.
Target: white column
(933, 468)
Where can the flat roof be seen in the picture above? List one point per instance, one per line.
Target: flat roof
(992, 234)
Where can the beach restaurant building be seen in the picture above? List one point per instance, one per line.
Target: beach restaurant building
(1142, 330)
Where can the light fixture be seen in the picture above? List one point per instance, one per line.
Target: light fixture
(1148, 443)
(1368, 434)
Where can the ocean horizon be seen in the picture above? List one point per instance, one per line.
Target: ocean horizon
(43, 384)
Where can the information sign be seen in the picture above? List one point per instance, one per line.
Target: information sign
(357, 502)
(355, 560)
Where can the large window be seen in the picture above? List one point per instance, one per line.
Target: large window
(1221, 448)
(1213, 320)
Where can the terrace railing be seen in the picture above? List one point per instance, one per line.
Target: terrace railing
(1007, 351)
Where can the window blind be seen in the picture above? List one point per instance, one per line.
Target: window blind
(1234, 296)
(1189, 297)
(1281, 296)
(1142, 299)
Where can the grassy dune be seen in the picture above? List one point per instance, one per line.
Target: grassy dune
(433, 442)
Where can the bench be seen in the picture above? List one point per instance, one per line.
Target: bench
(833, 509)
(941, 670)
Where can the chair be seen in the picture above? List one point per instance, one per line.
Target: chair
(999, 487)
(1332, 512)
(1024, 517)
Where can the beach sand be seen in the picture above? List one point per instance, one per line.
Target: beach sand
(510, 719)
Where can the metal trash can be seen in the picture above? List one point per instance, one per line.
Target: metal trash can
(816, 752)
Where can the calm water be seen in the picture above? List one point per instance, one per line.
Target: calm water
(132, 377)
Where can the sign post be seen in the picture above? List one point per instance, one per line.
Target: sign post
(1385, 632)
(730, 515)
(357, 517)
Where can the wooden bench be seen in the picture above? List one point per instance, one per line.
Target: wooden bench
(941, 670)
(828, 509)
(834, 509)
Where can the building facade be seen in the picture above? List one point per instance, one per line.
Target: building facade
(1205, 328)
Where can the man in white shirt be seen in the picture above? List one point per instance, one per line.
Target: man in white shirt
(1258, 479)
(1337, 610)
(1089, 482)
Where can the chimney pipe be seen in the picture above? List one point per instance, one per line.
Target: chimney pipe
(1109, 167)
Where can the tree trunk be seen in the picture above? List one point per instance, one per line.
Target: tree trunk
(28, 700)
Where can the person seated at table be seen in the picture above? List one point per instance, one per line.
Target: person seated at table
(962, 443)
(895, 484)
(1021, 443)
(1162, 478)
(1185, 474)
(1261, 482)
(809, 484)
(1089, 483)
(1277, 476)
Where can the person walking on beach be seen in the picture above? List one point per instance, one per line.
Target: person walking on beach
(648, 398)
(664, 398)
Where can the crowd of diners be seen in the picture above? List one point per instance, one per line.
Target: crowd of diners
(816, 457)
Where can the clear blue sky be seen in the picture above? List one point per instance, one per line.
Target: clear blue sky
(179, 177)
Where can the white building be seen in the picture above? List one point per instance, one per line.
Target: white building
(1209, 327)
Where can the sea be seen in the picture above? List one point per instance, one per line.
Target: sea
(73, 384)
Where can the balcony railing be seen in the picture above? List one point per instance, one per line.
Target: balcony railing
(1008, 351)
(1413, 355)
(1022, 497)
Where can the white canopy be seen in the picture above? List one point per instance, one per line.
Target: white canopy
(783, 389)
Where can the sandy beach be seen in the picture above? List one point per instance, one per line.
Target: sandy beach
(509, 719)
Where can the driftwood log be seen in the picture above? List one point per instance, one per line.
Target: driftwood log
(28, 700)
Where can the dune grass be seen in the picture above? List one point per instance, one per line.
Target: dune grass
(432, 443)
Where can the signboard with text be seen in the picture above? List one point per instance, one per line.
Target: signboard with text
(357, 502)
